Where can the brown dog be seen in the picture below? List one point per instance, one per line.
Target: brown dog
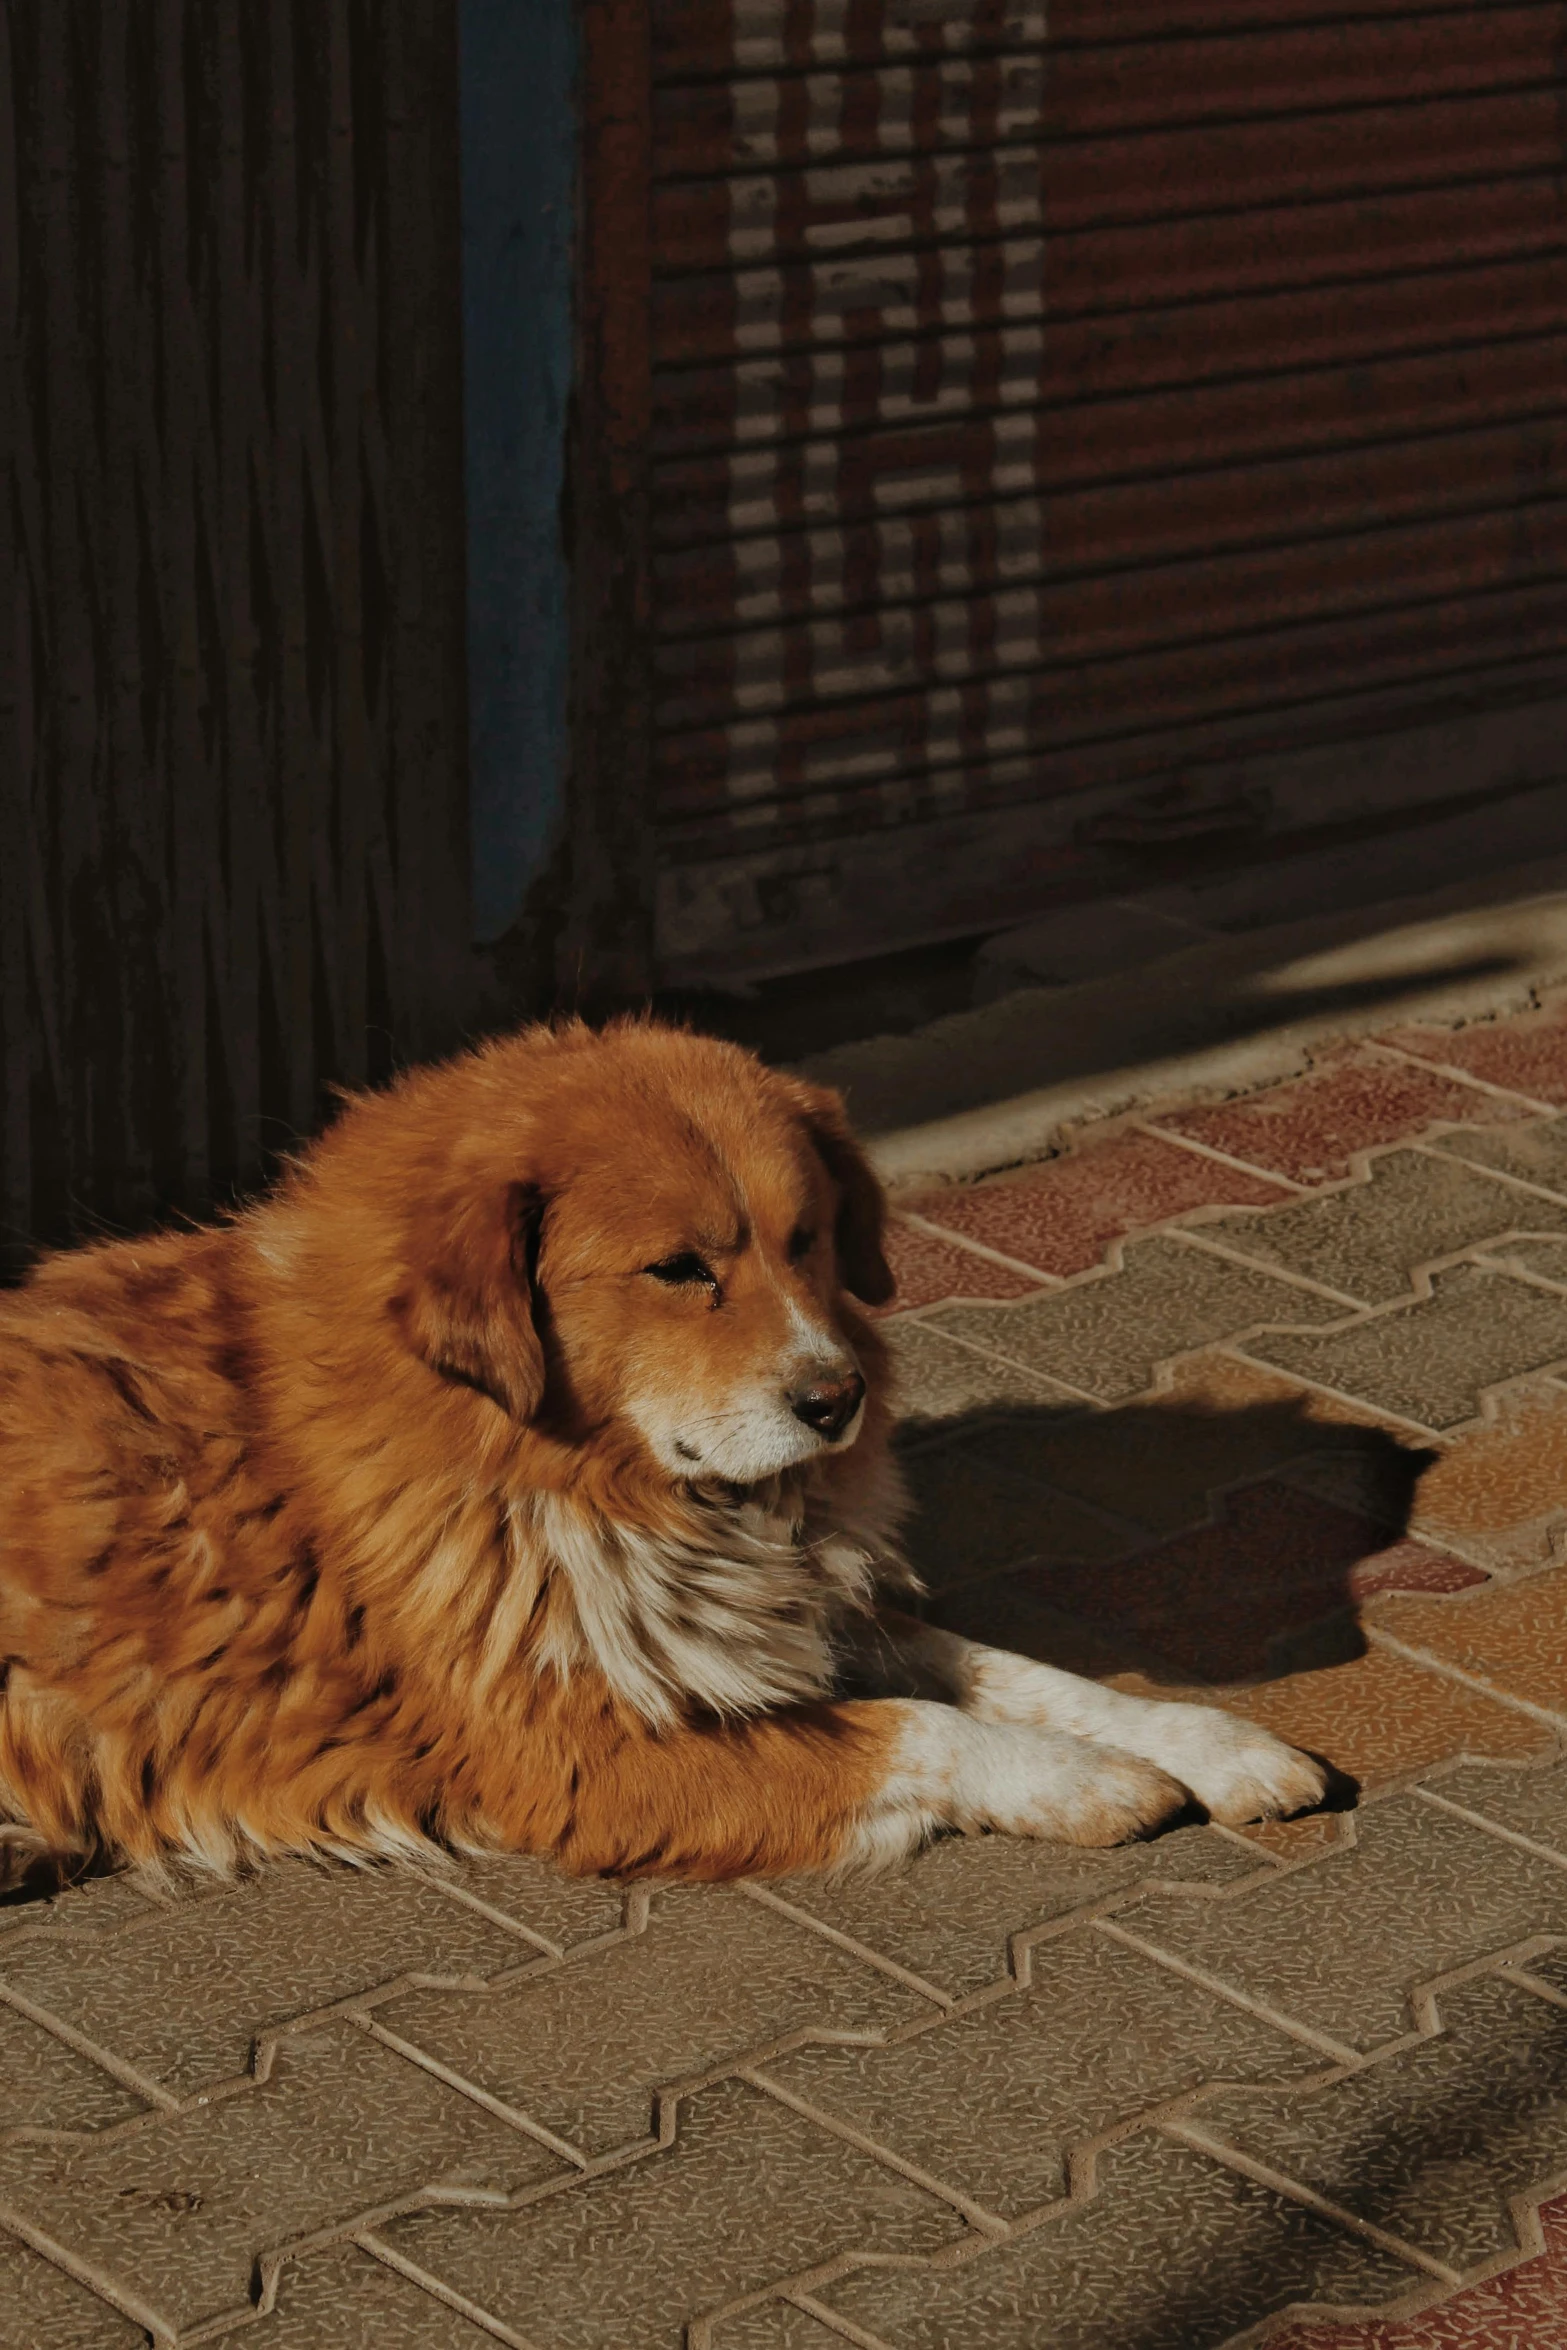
(517, 1475)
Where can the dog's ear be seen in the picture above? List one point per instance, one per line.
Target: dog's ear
(861, 1225)
(470, 1306)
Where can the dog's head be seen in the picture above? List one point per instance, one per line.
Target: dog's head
(650, 1232)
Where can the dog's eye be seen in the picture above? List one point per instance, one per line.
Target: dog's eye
(683, 1271)
(801, 1242)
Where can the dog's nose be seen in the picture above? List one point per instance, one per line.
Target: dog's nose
(829, 1405)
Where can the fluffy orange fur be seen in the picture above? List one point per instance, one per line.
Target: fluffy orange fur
(288, 1506)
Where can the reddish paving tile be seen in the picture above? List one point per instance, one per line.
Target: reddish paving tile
(1500, 1491)
(1523, 2309)
(1511, 1638)
(928, 1270)
(1063, 1215)
(1528, 1054)
(1310, 1128)
(1376, 1716)
(1228, 1601)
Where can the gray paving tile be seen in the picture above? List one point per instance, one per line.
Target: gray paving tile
(343, 2299)
(774, 2325)
(179, 2211)
(972, 1517)
(991, 2101)
(1526, 1803)
(1433, 1361)
(949, 1916)
(1339, 1945)
(749, 2194)
(564, 1910)
(41, 2308)
(1364, 1241)
(716, 1976)
(1536, 1151)
(939, 1380)
(1551, 1969)
(94, 1905)
(1173, 2253)
(45, 2085)
(1546, 1259)
(1433, 2143)
(1107, 1336)
(183, 1993)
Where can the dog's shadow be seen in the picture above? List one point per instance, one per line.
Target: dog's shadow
(1193, 1547)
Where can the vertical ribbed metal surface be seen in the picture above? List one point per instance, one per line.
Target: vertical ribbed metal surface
(232, 763)
(1066, 431)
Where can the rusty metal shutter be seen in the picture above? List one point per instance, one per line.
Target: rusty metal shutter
(1080, 430)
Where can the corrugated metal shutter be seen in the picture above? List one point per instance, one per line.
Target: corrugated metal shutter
(1075, 433)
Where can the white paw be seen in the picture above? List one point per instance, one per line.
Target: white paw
(1041, 1783)
(1236, 1771)
(950, 1771)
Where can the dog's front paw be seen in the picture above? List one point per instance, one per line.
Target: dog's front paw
(1236, 1771)
(1073, 1792)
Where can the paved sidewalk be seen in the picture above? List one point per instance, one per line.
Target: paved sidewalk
(1268, 1400)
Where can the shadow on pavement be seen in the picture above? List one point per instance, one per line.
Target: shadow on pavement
(1218, 1547)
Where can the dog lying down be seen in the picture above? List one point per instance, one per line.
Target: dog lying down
(517, 1476)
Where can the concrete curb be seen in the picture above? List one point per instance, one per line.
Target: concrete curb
(1001, 1084)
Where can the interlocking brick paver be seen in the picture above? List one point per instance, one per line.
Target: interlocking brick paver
(1062, 1215)
(937, 1379)
(1523, 2309)
(41, 2308)
(1366, 1240)
(972, 1517)
(1339, 1946)
(949, 1919)
(539, 2044)
(1310, 1128)
(183, 1993)
(535, 1897)
(1433, 2143)
(749, 2193)
(1015, 1611)
(179, 2211)
(1530, 1803)
(1433, 1361)
(1220, 1421)
(1512, 1636)
(1536, 1153)
(1499, 1492)
(992, 2103)
(1108, 1336)
(1527, 1054)
(46, 2085)
(927, 1269)
(90, 1905)
(1174, 2252)
(1545, 1260)
(341, 2298)
(1381, 1718)
(774, 2325)
(1225, 1601)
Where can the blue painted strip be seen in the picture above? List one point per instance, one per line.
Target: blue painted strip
(518, 102)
